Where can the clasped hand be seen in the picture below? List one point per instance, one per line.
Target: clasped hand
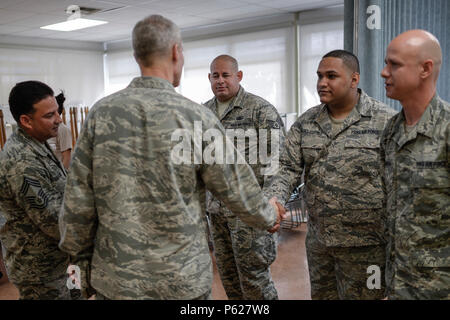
(281, 214)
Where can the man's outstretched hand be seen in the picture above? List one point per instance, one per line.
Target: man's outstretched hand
(281, 214)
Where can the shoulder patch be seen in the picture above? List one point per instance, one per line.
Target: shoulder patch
(32, 191)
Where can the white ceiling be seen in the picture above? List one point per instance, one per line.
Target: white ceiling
(22, 18)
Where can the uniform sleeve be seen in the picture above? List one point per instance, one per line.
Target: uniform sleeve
(78, 219)
(384, 218)
(272, 130)
(35, 192)
(236, 185)
(290, 168)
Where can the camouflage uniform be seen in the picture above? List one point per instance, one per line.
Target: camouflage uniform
(343, 196)
(133, 217)
(244, 254)
(416, 182)
(31, 192)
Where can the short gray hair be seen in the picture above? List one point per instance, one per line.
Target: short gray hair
(226, 57)
(154, 36)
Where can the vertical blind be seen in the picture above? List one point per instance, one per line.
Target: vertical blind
(316, 40)
(265, 57)
(396, 16)
(78, 73)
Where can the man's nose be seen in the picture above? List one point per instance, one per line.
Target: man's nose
(384, 72)
(322, 82)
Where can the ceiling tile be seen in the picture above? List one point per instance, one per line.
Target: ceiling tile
(38, 6)
(18, 16)
(8, 29)
(240, 13)
(7, 3)
(8, 16)
(37, 20)
(35, 33)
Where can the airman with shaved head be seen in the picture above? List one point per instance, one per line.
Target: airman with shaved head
(243, 253)
(416, 172)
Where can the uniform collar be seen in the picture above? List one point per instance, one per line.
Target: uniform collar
(425, 126)
(362, 109)
(40, 148)
(236, 102)
(151, 82)
(238, 99)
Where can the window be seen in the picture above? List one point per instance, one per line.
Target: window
(265, 57)
(316, 40)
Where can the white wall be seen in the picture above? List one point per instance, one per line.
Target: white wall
(316, 40)
(265, 57)
(79, 73)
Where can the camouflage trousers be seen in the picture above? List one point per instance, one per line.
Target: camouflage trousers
(243, 255)
(206, 296)
(342, 273)
(421, 283)
(51, 290)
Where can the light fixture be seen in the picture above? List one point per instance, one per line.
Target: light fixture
(74, 21)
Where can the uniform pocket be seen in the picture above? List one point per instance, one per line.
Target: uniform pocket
(431, 258)
(431, 195)
(362, 174)
(428, 220)
(310, 151)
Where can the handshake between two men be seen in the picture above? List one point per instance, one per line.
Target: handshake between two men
(281, 214)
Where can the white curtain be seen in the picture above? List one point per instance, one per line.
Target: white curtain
(316, 40)
(265, 57)
(120, 69)
(79, 73)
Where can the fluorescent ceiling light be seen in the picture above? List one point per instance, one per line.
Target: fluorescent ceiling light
(74, 24)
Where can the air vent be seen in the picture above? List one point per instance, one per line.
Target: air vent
(87, 10)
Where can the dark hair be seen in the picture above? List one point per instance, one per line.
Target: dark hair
(60, 98)
(24, 95)
(349, 59)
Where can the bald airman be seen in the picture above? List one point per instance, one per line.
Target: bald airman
(416, 172)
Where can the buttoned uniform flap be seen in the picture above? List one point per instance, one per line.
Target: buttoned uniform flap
(237, 123)
(371, 142)
(431, 175)
(316, 145)
(431, 258)
(430, 186)
(312, 151)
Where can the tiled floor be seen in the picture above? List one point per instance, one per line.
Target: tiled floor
(289, 271)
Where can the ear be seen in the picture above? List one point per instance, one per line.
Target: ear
(209, 76)
(355, 80)
(240, 75)
(427, 68)
(25, 121)
(176, 52)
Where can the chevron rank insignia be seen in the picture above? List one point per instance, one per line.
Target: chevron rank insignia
(32, 191)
